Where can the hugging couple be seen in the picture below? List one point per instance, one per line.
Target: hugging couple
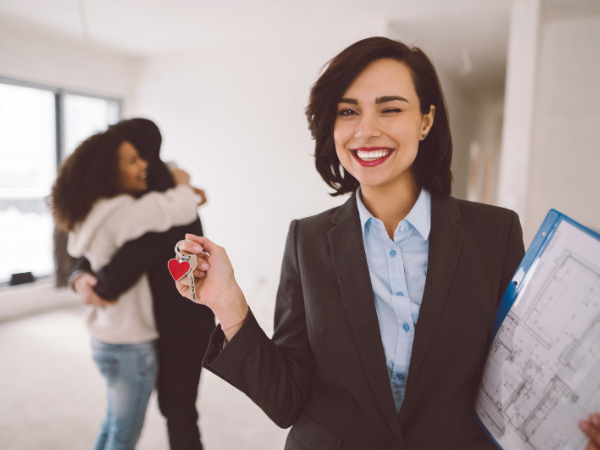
(124, 209)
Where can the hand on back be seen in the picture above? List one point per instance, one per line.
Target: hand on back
(84, 286)
(180, 176)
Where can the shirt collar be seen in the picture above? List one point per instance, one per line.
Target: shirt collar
(419, 216)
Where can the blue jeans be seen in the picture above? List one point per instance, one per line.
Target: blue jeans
(130, 374)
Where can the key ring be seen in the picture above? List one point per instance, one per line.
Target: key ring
(181, 256)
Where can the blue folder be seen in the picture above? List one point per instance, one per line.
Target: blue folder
(535, 250)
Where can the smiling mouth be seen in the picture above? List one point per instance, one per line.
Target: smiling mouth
(371, 155)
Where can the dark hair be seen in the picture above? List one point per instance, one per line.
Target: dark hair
(431, 167)
(145, 136)
(90, 173)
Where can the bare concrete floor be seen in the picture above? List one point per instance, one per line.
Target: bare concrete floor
(52, 396)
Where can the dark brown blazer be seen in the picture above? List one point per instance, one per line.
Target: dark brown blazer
(324, 371)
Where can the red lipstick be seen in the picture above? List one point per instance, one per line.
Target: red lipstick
(371, 149)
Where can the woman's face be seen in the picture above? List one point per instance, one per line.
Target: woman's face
(132, 170)
(379, 125)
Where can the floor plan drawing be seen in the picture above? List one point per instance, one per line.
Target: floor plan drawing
(542, 374)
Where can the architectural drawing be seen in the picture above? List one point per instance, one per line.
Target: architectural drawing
(543, 370)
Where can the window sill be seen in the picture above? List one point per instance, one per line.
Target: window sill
(32, 298)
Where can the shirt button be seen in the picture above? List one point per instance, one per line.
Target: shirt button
(400, 293)
(400, 376)
(406, 327)
(393, 253)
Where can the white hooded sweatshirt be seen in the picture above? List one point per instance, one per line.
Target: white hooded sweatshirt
(110, 224)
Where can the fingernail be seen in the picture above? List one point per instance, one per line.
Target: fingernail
(205, 266)
(585, 427)
(595, 418)
(197, 248)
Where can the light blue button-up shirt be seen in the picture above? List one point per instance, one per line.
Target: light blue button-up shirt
(398, 269)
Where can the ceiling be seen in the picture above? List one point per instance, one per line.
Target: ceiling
(149, 27)
(466, 38)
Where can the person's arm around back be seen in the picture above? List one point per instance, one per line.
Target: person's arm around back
(154, 211)
(133, 259)
(83, 282)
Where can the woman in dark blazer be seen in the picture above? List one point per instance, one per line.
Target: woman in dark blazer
(386, 303)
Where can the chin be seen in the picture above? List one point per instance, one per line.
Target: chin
(381, 180)
(373, 184)
(371, 178)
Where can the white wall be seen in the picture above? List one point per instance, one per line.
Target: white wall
(234, 118)
(58, 62)
(513, 183)
(566, 141)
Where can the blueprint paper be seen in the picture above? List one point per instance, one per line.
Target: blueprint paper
(542, 374)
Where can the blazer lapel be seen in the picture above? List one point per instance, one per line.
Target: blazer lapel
(352, 272)
(445, 243)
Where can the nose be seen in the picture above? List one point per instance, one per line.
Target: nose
(368, 128)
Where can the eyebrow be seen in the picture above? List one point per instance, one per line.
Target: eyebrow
(389, 98)
(379, 100)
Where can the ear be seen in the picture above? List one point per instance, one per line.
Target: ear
(427, 121)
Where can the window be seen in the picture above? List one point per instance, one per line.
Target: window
(85, 116)
(39, 125)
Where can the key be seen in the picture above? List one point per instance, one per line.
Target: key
(183, 266)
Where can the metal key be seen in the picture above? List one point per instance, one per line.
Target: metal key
(179, 272)
(193, 262)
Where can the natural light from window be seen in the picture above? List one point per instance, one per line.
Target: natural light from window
(28, 167)
(85, 116)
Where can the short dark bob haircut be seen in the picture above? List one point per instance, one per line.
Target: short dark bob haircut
(431, 167)
(90, 173)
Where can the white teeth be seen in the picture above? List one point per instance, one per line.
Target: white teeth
(372, 155)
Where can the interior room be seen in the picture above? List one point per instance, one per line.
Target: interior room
(227, 83)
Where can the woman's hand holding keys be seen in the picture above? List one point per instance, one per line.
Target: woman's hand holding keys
(215, 283)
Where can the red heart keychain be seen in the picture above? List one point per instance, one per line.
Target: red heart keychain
(178, 269)
(184, 265)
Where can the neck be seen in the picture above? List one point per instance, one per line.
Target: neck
(391, 204)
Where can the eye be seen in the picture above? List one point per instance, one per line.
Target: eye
(391, 110)
(346, 112)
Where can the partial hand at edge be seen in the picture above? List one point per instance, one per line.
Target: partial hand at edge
(200, 193)
(215, 283)
(591, 428)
